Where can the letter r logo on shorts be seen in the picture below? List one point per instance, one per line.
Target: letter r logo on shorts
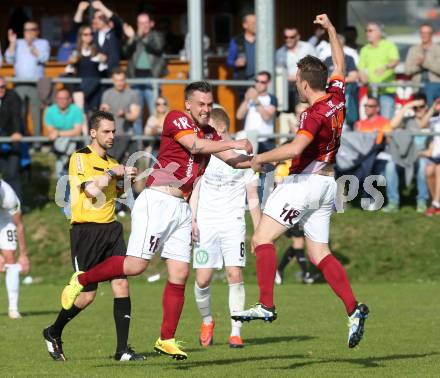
(288, 215)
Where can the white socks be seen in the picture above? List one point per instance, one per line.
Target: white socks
(13, 284)
(236, 303)
(203, 301)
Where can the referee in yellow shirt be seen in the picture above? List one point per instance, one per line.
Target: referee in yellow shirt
(95, 234)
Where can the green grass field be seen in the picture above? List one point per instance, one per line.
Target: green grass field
(307, 340)
(392, 260)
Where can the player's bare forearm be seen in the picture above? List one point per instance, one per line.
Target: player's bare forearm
(285, 152)
(194, 199)
(337, 51)
(240, 161)
(204, 146)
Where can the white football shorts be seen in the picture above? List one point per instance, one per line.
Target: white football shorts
(8, 236)
(220, 243)
(307, 199)
(160, 222)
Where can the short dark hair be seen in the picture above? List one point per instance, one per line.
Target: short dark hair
(266, 73)
(118, 71)
(98, 116)
(427, 24)
(201, 86)
(314, 71)
(420, 96)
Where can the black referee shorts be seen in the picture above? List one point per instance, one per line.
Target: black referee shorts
(295, 231)
(92, 243)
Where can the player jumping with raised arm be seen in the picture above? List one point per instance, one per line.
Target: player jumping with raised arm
(161, 218)
(307, 195)
(219, 232)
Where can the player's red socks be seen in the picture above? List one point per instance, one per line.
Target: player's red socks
(337, 278)
(108, 269)
(172, 305)
(266, 270)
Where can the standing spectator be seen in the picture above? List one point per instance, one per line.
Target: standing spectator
(63, 120)
(69, 31)
(10, 126)
(288, 56)
(88, 64)
(124, 103)
(154, 125)
(107, 28)
(241, 55)
(28, 55)
(377, 62)
(258, 109)
(423, 63)
(144, 51)
(351, 35)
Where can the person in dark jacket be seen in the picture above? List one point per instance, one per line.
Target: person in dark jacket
(107, 31)
(144, 51)
(10, 126)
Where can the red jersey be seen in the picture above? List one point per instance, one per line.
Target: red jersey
(175, 165)
(322, 123)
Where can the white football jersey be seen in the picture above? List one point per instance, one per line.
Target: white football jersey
(222, 193)
(9, 202)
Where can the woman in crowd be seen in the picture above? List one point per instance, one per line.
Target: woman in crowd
(87, 64)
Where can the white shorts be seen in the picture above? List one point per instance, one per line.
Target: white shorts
(307, 199)
(8, 237)
(218, 243)
(160, 222)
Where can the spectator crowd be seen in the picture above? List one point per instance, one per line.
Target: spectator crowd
(96, 39)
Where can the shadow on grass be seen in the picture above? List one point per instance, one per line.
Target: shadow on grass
(371, 362)
(33, 313)
(277, 339)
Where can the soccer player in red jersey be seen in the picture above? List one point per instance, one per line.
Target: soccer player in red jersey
(161, 217)
(307, 195)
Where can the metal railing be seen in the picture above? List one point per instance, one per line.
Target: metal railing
(154, 82)
(86, 139)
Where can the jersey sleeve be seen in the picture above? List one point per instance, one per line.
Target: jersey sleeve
(177, 124)
(336, 86)
(9, 200)
(308, 125)
(80, 168)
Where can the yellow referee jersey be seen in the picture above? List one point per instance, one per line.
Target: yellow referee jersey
(84, 166)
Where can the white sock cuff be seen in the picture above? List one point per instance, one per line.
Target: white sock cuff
(236, 284)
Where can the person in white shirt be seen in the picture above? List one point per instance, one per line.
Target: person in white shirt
(258, 110)
(11, 230)
(288, 56)
(219, 232)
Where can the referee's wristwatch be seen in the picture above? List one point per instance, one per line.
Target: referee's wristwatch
(111, 173)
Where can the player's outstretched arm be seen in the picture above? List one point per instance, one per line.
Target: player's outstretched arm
(196, 145)
(337, 51)
(234, 159)
(281, 153)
